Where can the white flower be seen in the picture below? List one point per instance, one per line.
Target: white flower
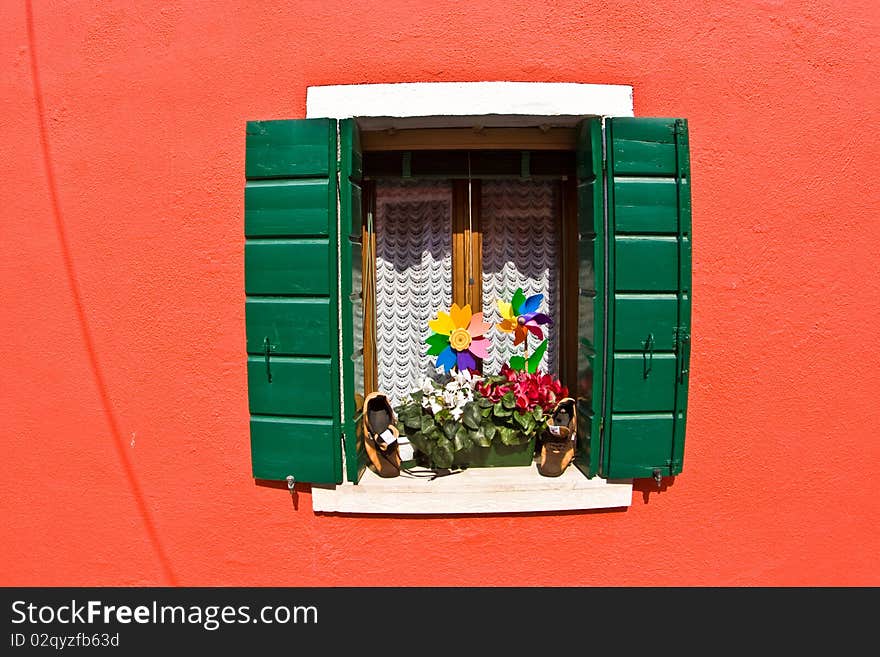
(436, 406)
(456, 412)
(449, 397)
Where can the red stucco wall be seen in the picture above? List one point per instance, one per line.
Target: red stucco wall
(124, 446)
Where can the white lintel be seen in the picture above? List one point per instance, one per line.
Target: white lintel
(457, 104)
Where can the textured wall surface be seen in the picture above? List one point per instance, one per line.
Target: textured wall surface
(124, 442)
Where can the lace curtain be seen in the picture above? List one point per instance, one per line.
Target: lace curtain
(413, 278)
(520, 249)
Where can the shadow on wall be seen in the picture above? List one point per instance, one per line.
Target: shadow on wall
(283, 485)
(648, 486)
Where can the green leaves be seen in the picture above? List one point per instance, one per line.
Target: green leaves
(443, 453)
(530, 365)
(526, 421)
(482, 436)
(419, 441)
(471, 416)
(410, 417)
(510, 436)
(535, 359)
(462, 439)
(501, 411)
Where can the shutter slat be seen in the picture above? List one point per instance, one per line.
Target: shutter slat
(646, 205)
(641, 442)
(659, 311)
(290, 149)
(646, 263)
(644, 383)
(293, 326)
(282, 208)
(301, 267)
(298, 387)
(284, 445)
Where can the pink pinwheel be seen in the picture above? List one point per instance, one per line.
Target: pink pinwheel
(521, 316)
(458, 339)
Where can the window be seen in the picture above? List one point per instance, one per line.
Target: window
(441, 239)
(336, 213)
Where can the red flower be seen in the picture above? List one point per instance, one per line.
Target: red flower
(530, 391)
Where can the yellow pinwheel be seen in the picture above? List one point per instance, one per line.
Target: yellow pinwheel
(458, 340)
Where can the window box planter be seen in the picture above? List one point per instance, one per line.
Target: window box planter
(496, 454)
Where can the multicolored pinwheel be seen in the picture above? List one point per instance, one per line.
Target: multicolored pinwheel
(521, 316)
(458, 339)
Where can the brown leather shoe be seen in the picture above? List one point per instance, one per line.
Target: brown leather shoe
(380, 435)
(559, 440)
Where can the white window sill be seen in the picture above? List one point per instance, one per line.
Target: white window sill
(477, 490)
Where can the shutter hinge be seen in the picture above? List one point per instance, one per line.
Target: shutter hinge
(678, 127)
(681, 339)
(680, 335)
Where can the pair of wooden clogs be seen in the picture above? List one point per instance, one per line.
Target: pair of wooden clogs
(381, 437)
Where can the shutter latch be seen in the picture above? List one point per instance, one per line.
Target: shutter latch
(684, 354)
(648, 355)
(658, 476)
(268, 366)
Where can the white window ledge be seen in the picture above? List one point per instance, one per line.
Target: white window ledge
(476, 490)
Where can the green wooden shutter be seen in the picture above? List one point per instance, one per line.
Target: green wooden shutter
(591, 299)
(351, 291)
(293, 251)
(649, 283)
